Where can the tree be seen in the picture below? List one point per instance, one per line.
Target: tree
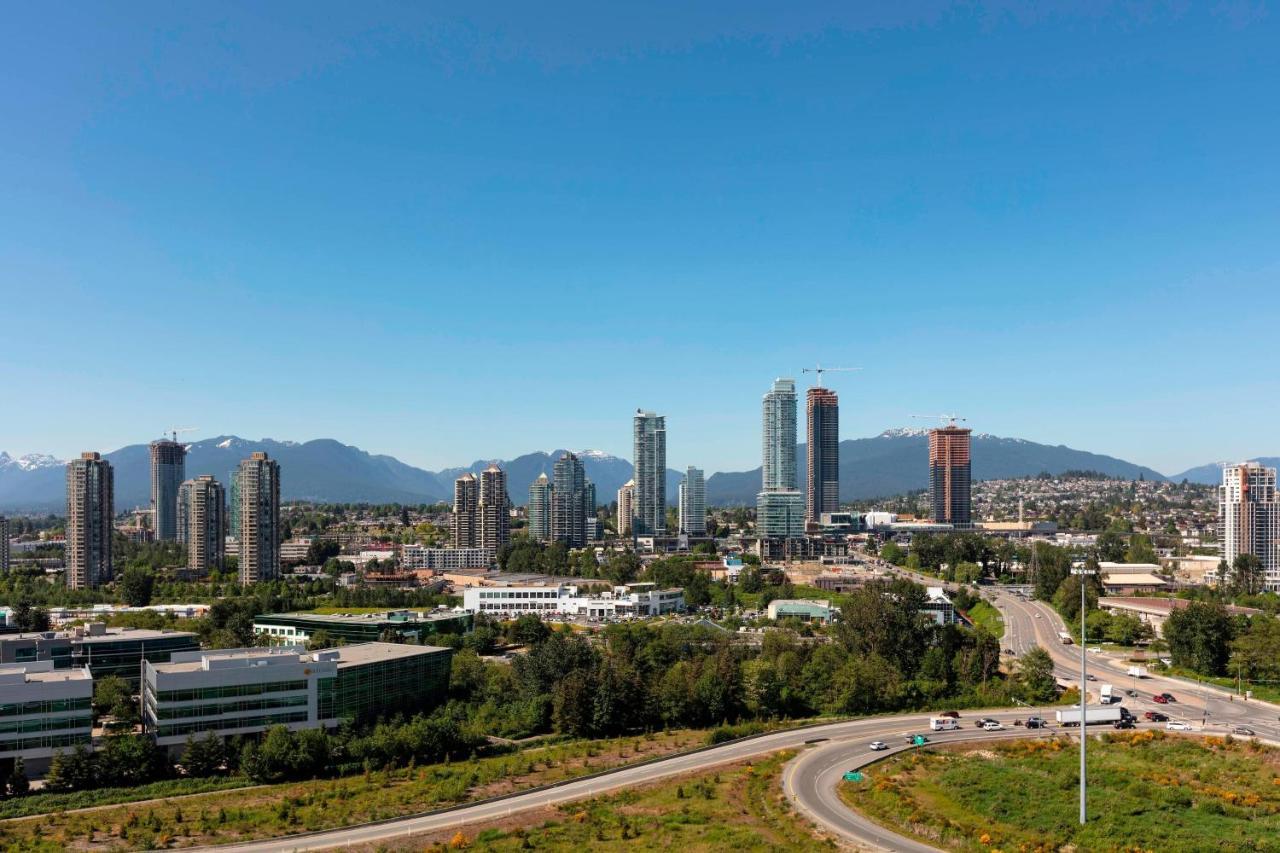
(1255, 654)
(136, 585)
(112, 697)
(320, 551)
(1140, 550)
(71, 771)
(204, 756)
(18, 785)
(1246, 574)
(1199, 637)
(27, 617)
(1110, 547)
(891, 552)
(1035, 676)
(623, 568)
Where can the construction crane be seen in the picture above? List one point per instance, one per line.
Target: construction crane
(173, 432)
(821, 370)
(949, 420)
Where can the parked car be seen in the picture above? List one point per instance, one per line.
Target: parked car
(1243, 730)
(1159, 699)
(1168, 697)
(993, 726)
(879, 745)
(1177, 726)
(1155, 716)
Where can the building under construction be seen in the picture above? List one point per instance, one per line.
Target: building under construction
(950, 475)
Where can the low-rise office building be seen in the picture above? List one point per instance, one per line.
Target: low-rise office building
(561, 599)
(247, 691)
(422, 558)
(43, 709)
(104, 651)
(299, 628)
(800, 608)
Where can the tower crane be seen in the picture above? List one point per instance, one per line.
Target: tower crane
(173, 431)
(949, 420)
(821, 370)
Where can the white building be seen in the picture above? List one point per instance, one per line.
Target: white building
(626, 507)
(43, 710)
(938, 607)
(631, 600)
(1249, 518)
(422, 558)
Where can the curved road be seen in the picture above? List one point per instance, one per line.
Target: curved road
(811, 779)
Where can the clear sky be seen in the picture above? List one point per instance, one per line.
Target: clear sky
(451, 237)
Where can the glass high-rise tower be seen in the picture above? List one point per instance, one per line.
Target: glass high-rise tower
(693, 503)
(540, 508)
(779, 506)
(822, 489)
(650, 458)
(168, 471)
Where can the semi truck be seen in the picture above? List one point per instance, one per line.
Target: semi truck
(1093, 716)
(1107, 694)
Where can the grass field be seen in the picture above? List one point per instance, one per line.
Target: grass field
(985, 615)
(739, 807)
(1148, 791)
(274, 810)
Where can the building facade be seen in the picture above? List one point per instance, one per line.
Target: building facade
(202, 517)
(650, 457)
(90, 510)
(693, 502)
(101, 650)
(628, 601)
(258, 493)
(780, 515)
(779, 437)
(416, 558)
(493, 510)
(1249, 518)
(247, 691)
(822, 490)
(43, 710)
(405, 625)
(950, 476)
(626, 507)
(168, 471)
(466, 497)
(569, 501)
(540, 509)
(4, 544)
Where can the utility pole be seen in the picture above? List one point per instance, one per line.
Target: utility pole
(1083, 572)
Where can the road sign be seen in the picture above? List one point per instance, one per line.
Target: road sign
(853, 776)
(918, 740)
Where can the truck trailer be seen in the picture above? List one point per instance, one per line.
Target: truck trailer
(1093, 716)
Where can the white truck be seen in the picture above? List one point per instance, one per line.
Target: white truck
(1093, 716)
(1107, 694)
(943, 724)
(1138, 671)
(1064, 638)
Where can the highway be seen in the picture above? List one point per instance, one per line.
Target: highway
(828, 751)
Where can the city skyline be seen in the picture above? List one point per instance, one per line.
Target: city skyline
(936, 159)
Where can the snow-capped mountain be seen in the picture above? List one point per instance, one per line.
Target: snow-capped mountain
(30, 462)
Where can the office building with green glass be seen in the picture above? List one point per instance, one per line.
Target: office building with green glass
(42, 710)
(247, 691)
(397, 625)
(104, 651)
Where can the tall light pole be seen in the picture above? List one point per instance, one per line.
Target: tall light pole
(1082, 573)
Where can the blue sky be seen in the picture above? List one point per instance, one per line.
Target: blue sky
(454, 237)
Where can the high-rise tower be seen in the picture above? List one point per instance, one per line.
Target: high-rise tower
(90, 510)
(258, 492)
(493, 530)
(779, 506)
(466, 500)
(4, 544)
(650, 457)
(693, 503)
(822, 491)
(626, 507)
(569, 501)
(168, 470)
(1249, 518)
(202, 509)
(540, 508)
(950, 475)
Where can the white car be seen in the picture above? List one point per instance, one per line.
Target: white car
(992, 726)
(1177, 726)
(879, 745)
(1037, 615)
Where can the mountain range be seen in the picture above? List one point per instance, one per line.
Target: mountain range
(327, 470)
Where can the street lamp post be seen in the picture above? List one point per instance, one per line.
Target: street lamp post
(1083, 572)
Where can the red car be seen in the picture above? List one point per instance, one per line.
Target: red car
(1159, 699)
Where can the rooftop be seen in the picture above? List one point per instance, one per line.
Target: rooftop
(96, 633)
(390, 616)
(1163, 606)
(360, 653)
(40, 671)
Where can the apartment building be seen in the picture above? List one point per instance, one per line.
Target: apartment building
(90, 511)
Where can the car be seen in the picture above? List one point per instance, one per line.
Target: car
(1091, 677)
(982, 722)
(1168, 697)
(1177, 726)
(955, 715)
(993, 726)
(1124, 723)
(1037, 615)
(1132, 694)
(1243, 730)
(1155, 716)
(879, 745)
(1159, 699)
